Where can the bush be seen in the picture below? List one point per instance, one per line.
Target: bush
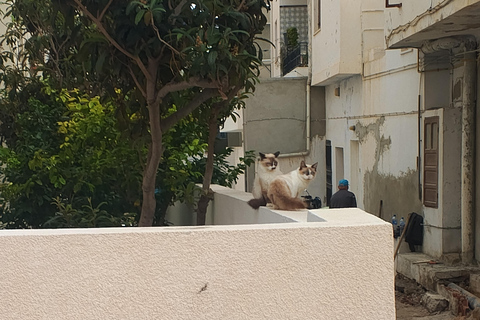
(66, 163)
(292, 37)
(66, 146)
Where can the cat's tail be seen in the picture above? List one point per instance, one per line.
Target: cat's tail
(280, 196)
(256, 203)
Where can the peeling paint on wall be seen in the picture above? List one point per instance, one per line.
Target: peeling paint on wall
(394, 191)
(382, 143)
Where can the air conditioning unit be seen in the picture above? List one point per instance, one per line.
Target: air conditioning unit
(228, 139)
(234, 139)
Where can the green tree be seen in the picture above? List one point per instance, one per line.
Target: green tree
(66, 146)
(65, 152)
(189, 54)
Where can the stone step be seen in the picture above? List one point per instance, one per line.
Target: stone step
(444, 283)
(430, 272)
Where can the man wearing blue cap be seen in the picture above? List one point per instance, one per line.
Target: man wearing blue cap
(343, 198)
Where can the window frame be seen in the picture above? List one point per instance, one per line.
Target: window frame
(430, 163)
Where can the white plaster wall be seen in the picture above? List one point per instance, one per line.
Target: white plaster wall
(342, 112)
(336, 46)
(230, 207)
(275, 38)
(326, 41)
(395, 17)
(442, 225)
(405, 21)
(382, 105)
(236, 125)
(338, 268)
(372, 22)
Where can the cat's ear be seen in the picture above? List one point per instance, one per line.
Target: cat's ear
(314, 166)
(262, 155)
(302, 164)
(276, 154)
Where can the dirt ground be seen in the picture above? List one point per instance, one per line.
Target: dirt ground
(410, 308)
(408, 295)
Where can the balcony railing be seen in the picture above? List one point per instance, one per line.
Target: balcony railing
(295, 57)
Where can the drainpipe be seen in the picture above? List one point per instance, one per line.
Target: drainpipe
(419, 146)
(468, 156)
(307, 127)
(308, 94)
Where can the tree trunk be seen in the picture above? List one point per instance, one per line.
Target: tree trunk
(153, 160)
(207, 178)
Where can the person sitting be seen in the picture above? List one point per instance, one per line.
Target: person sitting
(343, 198)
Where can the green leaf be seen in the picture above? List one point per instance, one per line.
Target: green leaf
(147, 18)
(212, 57)
(101, 61)
(139, 16)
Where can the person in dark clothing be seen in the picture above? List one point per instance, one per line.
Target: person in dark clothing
(343, 198)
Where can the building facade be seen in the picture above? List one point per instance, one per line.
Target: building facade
(395, 97)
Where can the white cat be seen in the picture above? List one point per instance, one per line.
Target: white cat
(284, 190)
(267, 170)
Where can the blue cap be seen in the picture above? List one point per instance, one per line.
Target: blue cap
(343, 183)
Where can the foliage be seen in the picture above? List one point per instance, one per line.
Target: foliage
(67, 147)
(65, 151)
(98, 46)
(292, 37)
(161, 52)
(224, 173)
(87, 217)
(183, 165)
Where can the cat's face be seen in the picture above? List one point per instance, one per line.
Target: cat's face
(307, 171)
(269, 160)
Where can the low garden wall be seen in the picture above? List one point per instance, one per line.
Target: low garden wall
(252, 264)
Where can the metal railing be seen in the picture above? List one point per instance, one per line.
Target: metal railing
(295, 57)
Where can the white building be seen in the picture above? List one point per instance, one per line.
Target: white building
(388, 102)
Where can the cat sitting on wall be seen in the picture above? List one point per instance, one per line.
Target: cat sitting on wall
(284, 191)
(267, 170)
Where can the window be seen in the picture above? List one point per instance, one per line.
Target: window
(317, 15)
(430, 163)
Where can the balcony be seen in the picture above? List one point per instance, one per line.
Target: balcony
(295, 57)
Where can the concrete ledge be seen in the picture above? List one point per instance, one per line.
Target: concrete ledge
(338, 268)
(415, 266)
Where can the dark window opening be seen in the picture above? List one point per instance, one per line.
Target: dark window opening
(328, 161)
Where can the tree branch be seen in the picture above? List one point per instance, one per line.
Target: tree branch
(227, 98)
(105, 10)
(177, 86)
(160, 38)
(241, 5)
(102, 29)
(171, 120)
(137, 83)
(178, 9)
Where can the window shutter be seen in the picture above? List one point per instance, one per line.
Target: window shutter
(430, 163)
